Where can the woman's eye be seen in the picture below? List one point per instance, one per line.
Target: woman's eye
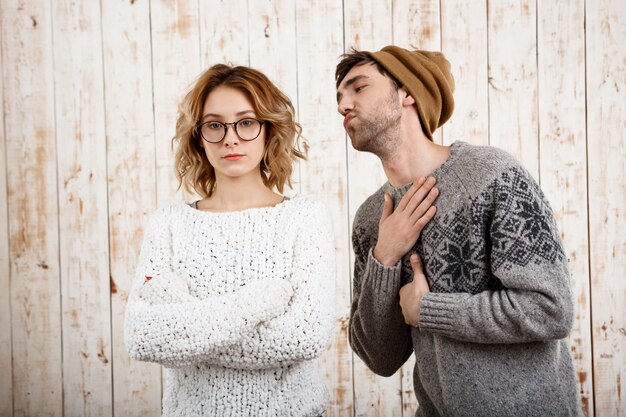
(246, 122)
(214, 125)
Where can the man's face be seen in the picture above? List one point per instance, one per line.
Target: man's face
(372, 110)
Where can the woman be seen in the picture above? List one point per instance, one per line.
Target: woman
(234, 294)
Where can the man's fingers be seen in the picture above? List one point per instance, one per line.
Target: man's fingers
(387, 208)
(421, 219)
(408, 196)
(422, 206)
(424, 192)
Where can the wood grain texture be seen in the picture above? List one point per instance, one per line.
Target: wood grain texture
(272, 39)
(89, 96)
(83, 219)
(224, 32)
(606, 124)
(131, 185)
(6, 351)
(175, 66)
(32, 209)
(368, 26)
(464, 43)
(324, 174)
(562, 160)
(513, 117)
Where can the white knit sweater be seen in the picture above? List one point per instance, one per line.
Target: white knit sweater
(236, 305)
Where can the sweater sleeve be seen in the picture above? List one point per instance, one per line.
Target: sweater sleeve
(378, 333)
(527, 257)
(304, 330)
(164, 323)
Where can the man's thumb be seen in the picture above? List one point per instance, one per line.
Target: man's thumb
(387, 207)
(416, 264)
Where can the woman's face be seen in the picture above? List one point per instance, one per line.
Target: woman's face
(232, 156)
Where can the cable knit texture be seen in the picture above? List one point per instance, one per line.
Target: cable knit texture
(236, 306)
(490, 340)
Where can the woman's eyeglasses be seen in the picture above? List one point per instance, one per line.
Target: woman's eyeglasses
(246, 129)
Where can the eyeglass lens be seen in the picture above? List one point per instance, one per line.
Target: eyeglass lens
(246, 129)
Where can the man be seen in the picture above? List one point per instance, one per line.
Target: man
(488, 306)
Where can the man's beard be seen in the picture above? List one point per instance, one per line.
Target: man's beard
(379, 134)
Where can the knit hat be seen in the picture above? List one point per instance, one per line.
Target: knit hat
(426, 75)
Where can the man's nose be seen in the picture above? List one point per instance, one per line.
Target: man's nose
(344, 105)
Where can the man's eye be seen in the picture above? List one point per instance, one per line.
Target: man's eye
(359, 88)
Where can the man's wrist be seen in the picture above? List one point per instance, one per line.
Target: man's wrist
(384, 259)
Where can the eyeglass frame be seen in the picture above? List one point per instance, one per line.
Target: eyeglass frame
(226, 127)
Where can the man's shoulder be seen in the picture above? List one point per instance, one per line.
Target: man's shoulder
(486, 158)
(479, 166)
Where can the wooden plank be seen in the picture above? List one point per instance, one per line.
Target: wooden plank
(272, 50)
(319, 44)
(366, 28)
(6, 367)
(416, 25)
(32, 208)
(272, 43)
(175, 65)
(224, 33)
(606, 95)
(464, 42)
(132, 187)
(563, 162)
(513, 114)
(83, 240)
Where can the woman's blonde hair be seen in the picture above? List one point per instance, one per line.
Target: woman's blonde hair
(193, 169)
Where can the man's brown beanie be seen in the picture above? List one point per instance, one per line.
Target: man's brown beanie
(426, 75)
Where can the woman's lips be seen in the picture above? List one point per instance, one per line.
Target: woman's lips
(233, 157)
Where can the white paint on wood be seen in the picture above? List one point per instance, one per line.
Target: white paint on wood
(224, 32)
(513, 80)
(563, 168)
(32, 198)
(83, 220)
(606, 144)
(175, 67)
(324, 175)
(535, 110)
(132, 187)
(6, 352)
(464, 43)
(272, 39)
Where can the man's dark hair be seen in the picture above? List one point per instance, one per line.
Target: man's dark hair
(355, 58)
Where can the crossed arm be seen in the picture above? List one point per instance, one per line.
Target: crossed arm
(265, 323)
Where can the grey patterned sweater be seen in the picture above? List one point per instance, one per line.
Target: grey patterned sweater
(490, 340)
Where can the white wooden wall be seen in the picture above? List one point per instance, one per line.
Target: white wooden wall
(89, 94)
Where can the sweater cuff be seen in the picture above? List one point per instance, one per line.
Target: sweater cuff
(382, 278)
(438, 312)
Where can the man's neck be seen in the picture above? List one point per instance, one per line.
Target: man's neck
(416, 157)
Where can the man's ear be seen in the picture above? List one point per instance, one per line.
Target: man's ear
(407, 99)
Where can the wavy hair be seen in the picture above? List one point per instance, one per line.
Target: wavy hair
(271, 105)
